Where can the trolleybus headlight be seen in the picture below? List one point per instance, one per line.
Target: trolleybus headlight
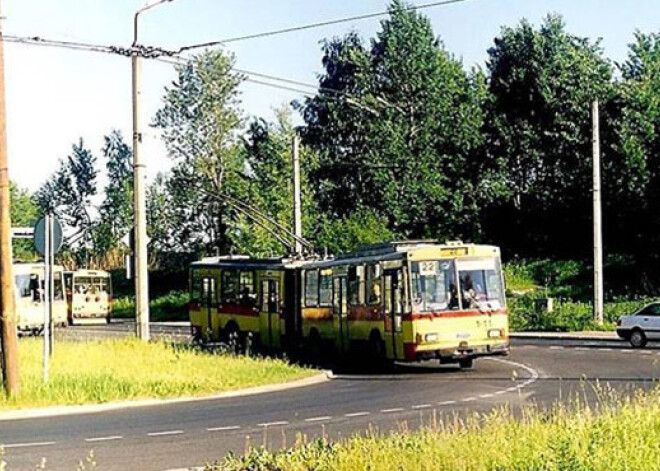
(495, 333)
(431, 338)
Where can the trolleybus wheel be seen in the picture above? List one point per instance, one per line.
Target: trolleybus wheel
(376, 347)
(466, 363)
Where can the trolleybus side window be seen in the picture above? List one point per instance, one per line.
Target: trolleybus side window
(23, 285)
(58, 294)
(434, 286)
(229, 289)
(373, 283)
(325, 288)
(246, 288)
(195, 285)
(356, 285)
(312, 288)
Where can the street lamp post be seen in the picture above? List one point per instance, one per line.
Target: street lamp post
(139, 175)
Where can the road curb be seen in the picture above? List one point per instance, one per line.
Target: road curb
(550, 336)
(23, 414)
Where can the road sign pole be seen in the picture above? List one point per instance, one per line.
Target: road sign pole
(51, 287)
(47, 245)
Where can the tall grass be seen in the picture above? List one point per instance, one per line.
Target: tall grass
(621, 433)
(102, 371)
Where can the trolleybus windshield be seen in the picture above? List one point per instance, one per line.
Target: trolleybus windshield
(434, 286)
(481, 283)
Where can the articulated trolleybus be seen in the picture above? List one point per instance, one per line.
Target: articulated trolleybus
(401, 301)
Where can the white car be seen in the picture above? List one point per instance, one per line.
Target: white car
(641, 326)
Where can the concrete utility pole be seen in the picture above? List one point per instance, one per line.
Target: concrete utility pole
(598, 233)
(139, 175)
(297, 218)
(9, 346)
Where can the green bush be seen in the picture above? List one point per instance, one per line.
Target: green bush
(170, 307)
(567, 315)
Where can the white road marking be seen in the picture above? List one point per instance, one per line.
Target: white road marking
(626, 351)
(469, 399)
(318, 419)
(556, 348)
(446, 403)
(104, 439)
(486, 395)
(25, 445)
(272, 424)
(220, 429)
(167, 432)
(499, 392)
(605, 349)
(421, 406)
(395, 409)
(581, 349)
(357, 414)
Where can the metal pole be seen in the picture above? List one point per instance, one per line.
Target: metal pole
(51, 285)
(297, 218)
(8, 336)
(598, 233)
(140, 224)
(47, 247)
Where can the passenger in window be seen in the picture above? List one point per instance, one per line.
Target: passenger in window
(453, 296)
(469, 294)
(374, 295)
(247, 298)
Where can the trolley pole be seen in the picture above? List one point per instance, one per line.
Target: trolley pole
(9, 345)
(598, 233)
(297, 217)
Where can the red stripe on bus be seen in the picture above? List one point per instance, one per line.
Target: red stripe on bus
(238, 309)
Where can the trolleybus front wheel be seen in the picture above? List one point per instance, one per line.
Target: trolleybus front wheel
(466, 363)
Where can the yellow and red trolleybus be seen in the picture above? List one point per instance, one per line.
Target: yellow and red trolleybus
(402, 301)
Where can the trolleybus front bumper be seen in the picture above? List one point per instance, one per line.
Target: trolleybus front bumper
(453, 355)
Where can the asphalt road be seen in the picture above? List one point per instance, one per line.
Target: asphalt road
(193, 433)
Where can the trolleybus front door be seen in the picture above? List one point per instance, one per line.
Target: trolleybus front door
(270, 306)
(393, 314)
(340, 313)
(208, 303)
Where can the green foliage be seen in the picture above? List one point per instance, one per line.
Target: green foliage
(619, 432)
(350, 232)
(69, 193)
(24, 212)
(541, 85)
(566, 316)
(403, 140)
(116, 212)
(267, 148)
(170, 307)
(200, 120)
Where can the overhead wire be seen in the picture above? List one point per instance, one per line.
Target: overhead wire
(319, 24)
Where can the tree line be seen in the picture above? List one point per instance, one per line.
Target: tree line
(400, 140)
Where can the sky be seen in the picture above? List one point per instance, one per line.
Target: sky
(56, 96)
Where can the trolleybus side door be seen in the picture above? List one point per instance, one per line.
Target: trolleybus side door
(270, 299)
(393, 314)
(208, 303)
(340, 313)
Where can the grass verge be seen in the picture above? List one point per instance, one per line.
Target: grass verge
(103, 371)
(622, 433)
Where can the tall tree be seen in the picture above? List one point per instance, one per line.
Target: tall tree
(541, 84)
(398, 133)
(116, 211)
(69, 192)
(636, 176)
(200, 119)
